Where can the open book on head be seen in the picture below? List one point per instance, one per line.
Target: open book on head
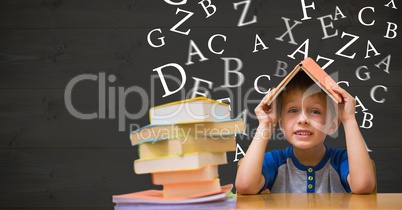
(316, 73)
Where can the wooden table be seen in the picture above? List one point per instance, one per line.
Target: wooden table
(320, 201)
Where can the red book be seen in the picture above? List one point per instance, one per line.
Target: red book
(156, 197)
(316, 73)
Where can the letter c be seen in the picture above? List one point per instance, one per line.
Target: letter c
(67, 97)
(361, 19)
(372, 91)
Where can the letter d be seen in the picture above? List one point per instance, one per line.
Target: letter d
(163, 81)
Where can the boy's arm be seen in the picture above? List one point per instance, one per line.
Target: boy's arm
(361, 176)
(249, 179)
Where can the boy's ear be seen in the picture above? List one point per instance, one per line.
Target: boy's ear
(334, 127)
(280, 124)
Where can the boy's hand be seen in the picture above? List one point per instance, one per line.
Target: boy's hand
(348, 107)
(249, 178)
(266, 114)
(358, 158)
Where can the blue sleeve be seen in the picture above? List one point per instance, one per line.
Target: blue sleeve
(272, 161)
(341, 165)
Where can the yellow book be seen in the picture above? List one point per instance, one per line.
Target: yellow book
(182, 146)
(191, 175)
(178, 162)
(190, 110)
(152, 132)
(208, 187)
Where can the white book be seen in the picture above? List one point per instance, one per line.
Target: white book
(179, 162)
(189, 110)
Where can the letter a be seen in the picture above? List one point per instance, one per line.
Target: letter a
(393, 4)
(305, 53)
(338, 12)
(195, 52)
(370, 47)
(258, 41)
(386, 61)
(239, 151)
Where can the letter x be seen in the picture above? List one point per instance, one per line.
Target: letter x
(289, 31)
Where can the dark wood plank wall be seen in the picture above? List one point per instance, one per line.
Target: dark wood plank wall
(50, 159)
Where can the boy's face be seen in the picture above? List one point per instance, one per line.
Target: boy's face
(304, 122)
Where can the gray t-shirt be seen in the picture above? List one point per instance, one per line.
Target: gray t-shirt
(283, 173)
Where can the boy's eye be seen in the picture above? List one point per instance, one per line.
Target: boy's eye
(315, 111)
(293, 110)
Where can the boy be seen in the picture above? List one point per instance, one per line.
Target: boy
(305, 117)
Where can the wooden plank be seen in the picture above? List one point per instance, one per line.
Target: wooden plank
(36, 118)
(388, 165)
(50, 159)
(54, 178)
(118, 14)
(39, 118)
(42, 58)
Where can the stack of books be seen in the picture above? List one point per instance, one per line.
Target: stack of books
(182, 148)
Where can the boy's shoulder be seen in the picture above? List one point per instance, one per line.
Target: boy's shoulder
(337, 154)
(279, 156)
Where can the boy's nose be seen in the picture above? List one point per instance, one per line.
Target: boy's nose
(303, 119)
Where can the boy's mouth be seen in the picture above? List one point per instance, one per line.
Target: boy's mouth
(303, 133)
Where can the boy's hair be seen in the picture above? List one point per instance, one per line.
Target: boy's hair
(302, 82)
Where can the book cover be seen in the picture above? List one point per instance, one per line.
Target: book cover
(208, 187)
(229, 202)
(156, 197)
(190, 175)
(178, 162)
(197, 109)
(182, 146)
(316, 73)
